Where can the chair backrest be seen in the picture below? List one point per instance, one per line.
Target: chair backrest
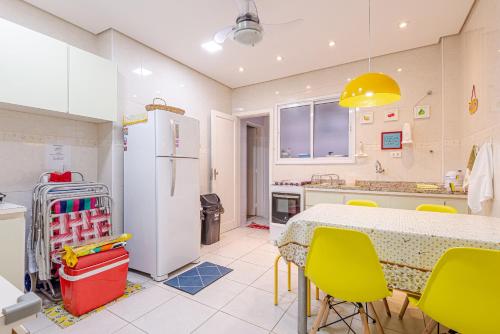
(362, 202)
(344, 264)
(436, 208)
(463, 291)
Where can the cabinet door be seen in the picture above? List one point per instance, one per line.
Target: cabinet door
(318, 197)
(92, 86)
(458, 203)
(33, 69)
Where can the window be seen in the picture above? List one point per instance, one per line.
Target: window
(295, 138)
(317, 131)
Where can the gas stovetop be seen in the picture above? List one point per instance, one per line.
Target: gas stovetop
(291, 183)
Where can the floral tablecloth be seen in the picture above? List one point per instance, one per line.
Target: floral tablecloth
(408, 243)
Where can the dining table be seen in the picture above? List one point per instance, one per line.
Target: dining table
(408, 242)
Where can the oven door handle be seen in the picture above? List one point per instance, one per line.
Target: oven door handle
(286, 196)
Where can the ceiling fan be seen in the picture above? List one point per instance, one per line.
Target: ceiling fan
(248, 29)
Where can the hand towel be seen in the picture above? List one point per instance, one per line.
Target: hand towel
(481, 179)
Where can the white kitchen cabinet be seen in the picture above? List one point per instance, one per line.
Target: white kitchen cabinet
(33, 69)
(407, 201)
(317, 197)
(458, 203)
(92, 86)
(12, 226)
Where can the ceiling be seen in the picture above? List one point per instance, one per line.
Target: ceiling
(178, 28)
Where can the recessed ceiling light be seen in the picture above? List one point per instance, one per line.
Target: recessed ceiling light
(142, 71)
(403, 25)
(279, 58)
(308, 87)
(331, 44)
(277, 92)
(211, 46)
(241, 69)
(400, 69)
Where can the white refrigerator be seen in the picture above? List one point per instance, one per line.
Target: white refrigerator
(162, 193)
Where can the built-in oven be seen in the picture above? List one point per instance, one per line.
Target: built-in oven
(286, 201)
(284, 206)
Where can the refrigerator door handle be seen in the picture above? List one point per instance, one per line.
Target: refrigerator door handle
(173, 177)
(173, 128)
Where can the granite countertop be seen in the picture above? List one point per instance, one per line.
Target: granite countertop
(387, 187)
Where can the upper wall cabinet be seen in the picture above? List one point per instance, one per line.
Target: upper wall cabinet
(92, 85)
(38, 72)
(33, 69)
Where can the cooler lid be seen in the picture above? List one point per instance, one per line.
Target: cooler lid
(98, 258)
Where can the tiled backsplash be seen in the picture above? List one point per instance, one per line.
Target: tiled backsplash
(23, 141)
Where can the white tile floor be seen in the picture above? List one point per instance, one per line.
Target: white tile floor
(241, 302)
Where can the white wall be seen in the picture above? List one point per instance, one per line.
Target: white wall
(23, 141)
(477, 61)
(449, 69)
(178, 84)
(421, 72)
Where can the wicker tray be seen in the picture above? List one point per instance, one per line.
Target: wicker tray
(164, 106)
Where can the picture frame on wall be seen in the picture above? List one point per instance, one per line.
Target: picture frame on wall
(391, 115)
(422, 112)
(391, 140)
(366, 117)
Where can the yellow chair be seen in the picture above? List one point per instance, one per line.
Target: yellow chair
(429, 208)
(436, 208)
(372, 204)
(289, 278)
(463, 292)
(362, 202)
(344, 264)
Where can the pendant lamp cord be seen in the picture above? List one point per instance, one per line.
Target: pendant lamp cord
(369, 35)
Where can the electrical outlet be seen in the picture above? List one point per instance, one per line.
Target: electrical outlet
(396, 154)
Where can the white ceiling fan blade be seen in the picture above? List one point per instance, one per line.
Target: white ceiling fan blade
(286, 23)
(223, 34)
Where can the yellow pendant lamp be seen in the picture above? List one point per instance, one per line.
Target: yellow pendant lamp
(370, 89)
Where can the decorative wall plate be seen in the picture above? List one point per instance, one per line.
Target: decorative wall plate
(474, 102)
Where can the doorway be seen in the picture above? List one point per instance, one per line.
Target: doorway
(254, 170)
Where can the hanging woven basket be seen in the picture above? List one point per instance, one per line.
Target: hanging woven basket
(163, 106)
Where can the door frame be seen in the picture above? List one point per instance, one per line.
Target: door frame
(236, 135)
(257, 163)
(269, 112)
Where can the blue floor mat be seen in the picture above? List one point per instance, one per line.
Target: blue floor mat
(196, 279)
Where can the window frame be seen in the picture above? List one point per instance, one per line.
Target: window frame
(314, 160)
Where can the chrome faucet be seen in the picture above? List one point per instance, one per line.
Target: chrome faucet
(378, 168)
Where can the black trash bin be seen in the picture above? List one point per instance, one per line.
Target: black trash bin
(210, 218)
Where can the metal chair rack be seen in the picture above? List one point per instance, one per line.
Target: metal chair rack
(63, 213)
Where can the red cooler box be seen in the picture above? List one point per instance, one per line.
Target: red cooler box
(96, 280)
